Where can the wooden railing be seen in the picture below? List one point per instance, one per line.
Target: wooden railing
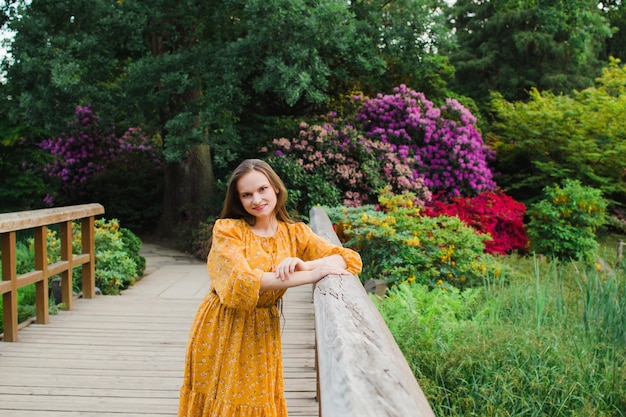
(38, 220)
(361, 370)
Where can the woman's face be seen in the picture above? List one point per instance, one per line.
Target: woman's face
(257, 195)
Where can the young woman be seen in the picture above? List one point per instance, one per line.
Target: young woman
(234, 359)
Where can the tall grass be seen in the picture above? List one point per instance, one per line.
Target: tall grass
(604, 304)
(548, 340)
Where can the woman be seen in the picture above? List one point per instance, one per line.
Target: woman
(234, 359)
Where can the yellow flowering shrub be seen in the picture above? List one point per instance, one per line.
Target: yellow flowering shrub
(398, 244)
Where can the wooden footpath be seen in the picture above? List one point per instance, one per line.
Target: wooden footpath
(123, 356)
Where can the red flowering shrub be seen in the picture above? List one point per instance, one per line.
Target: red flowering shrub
(493, 213)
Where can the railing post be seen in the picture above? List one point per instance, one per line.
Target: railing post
(89, 268)
(41, 264)
(9, 299)
(66, 255)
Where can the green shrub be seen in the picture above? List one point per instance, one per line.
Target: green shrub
(26, 305)
(132, 246)
(549, 138)
(116, 253)
(564, 223)
(115, 271)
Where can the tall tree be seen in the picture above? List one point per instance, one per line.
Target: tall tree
(88, 52)
(511, 46)
(64, 53)
(204, 76)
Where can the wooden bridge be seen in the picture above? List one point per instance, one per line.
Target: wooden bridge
(123, 356)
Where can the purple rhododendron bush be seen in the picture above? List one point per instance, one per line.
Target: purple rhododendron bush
(91, 163)
(442, 144)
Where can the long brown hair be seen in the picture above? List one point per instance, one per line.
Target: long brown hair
(233, 209)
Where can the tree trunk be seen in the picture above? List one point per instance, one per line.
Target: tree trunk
(189, 186)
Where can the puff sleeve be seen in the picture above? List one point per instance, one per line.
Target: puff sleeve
(233, 279)
(312, 246)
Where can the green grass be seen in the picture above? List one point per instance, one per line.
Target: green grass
(542, 338)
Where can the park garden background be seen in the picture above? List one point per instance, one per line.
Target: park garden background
(473, 153)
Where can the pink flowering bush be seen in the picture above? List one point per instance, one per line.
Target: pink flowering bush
(93, 164)
(442, 145)
(356, 166)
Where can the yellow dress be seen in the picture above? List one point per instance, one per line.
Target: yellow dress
(234, 361)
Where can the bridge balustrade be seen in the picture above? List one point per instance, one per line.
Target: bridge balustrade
(361, 370)
(38, 221)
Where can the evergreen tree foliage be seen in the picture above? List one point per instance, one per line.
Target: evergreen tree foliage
(512, 46)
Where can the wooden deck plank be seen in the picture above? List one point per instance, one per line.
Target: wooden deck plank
(124, 355)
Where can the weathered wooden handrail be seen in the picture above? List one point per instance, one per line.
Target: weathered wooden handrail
(361, 370)
(38, 220)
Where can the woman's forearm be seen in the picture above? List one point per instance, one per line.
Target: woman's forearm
(332, 265)
(269, 280)
(334, 260)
